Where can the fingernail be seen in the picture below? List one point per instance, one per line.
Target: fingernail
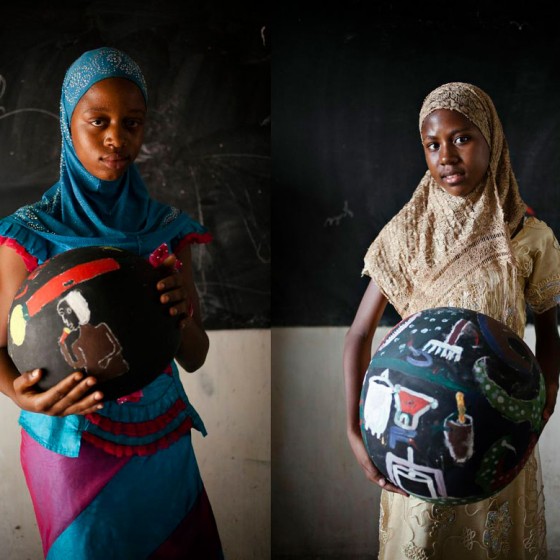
(34, 374)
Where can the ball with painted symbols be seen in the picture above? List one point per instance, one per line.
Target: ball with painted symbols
(451, 405)
(95, 310)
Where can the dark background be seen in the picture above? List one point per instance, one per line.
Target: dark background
(207, 143)
(348, 83)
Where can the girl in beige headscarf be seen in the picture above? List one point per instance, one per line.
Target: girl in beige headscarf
(462, 241)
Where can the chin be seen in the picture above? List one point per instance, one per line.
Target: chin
(457, 191)
(109, 176)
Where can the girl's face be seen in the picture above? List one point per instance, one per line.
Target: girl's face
(456, 151)
(107, 127)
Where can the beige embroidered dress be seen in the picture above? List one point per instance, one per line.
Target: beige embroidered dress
(476, 252)
(510, 525)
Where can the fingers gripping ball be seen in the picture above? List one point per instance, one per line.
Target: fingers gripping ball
(451, 405)
(95, 310)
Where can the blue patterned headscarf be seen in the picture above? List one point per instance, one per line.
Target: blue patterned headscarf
(82, 210)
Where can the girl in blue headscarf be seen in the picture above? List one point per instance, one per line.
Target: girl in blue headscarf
(109, 479)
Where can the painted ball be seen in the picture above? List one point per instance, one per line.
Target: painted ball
(94, 310)
(451, 405)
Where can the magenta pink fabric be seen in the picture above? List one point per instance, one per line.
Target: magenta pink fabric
(29, 261)
(76, 480)
(197, 534)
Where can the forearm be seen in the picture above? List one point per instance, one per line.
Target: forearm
(193, 347)
(12, 273)
(8, 374)
(357, 354)
(547, 352)
(547, 346)
(356, 358)
(179, 289)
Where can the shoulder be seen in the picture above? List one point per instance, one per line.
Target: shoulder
(12, 264)
(533, 223)
(537, 234)
(32, 248)
(536, 248)
(538, 255)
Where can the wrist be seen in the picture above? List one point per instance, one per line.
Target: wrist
(354, 431)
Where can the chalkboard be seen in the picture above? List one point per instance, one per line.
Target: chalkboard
(207, 143)
(348, 83)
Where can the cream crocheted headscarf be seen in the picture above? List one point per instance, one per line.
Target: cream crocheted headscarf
(438, 241)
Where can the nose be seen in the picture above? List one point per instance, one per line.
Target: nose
(447, 154)
(115, 136)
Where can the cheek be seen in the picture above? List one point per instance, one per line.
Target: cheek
(77, 141)
(431, 161)
(483, 153)
(483, 161)
(85, 147)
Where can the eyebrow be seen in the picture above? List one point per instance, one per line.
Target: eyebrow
(452, 133)
(455, 131)
(106, 109)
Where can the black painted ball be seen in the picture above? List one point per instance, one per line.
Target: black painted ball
(95, 310)
(451, 406)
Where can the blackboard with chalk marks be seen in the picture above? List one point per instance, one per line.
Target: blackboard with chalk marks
(348, 83)
(207, 142)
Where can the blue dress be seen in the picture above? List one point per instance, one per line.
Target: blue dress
(121, 483)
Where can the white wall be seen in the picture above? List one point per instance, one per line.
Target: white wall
(322, 504)
(232, 394)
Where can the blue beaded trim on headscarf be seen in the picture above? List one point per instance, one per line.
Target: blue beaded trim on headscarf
(92, 67)
(97, 65)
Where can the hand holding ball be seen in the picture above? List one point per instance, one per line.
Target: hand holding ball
(95, 310)
(452, 405)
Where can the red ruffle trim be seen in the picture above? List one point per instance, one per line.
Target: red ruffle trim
(30, 261)
(121, 450)
(138, 429)
(191, 238)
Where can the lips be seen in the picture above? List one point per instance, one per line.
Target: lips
(116, 161)
(453, 177)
